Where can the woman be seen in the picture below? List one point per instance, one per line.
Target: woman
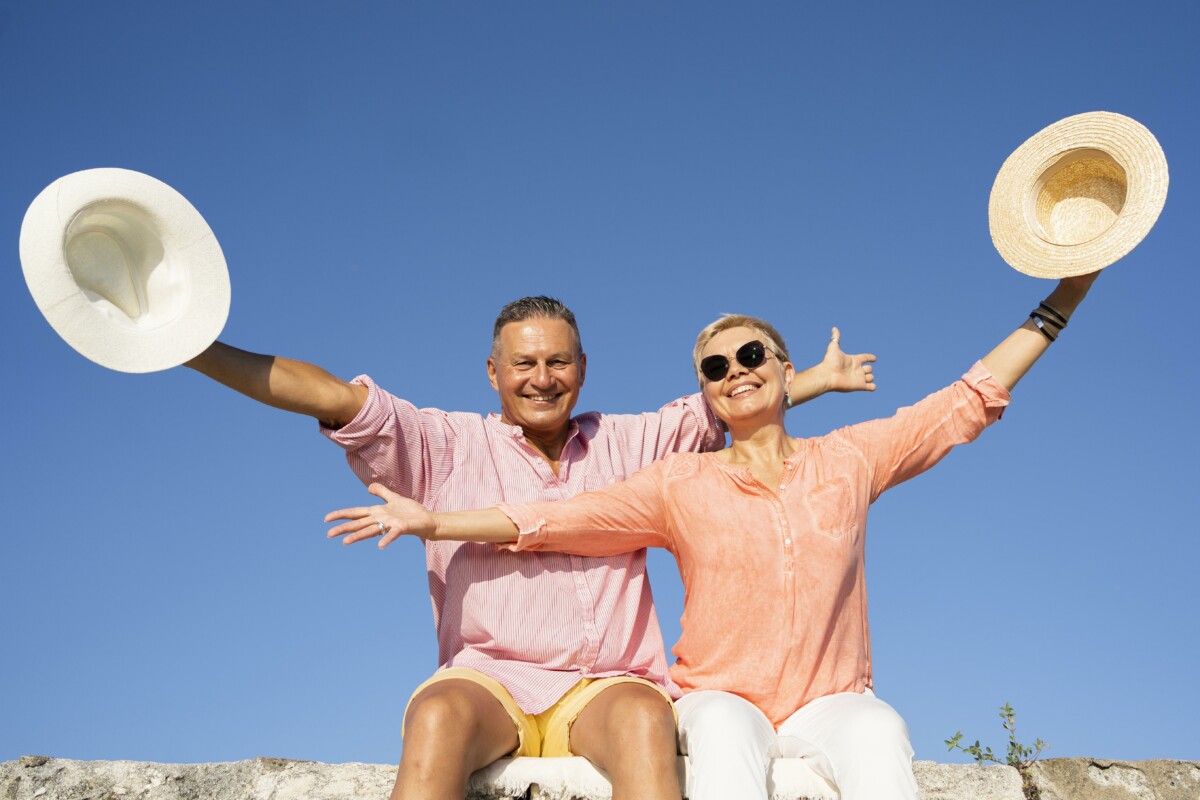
(774, 658)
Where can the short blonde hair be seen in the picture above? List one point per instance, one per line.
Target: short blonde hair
(773, 340)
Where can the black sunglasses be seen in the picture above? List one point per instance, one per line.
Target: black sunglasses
(749, 355)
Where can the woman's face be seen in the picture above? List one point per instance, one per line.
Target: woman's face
(745, 395)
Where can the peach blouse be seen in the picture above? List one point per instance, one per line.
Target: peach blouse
(775, 606)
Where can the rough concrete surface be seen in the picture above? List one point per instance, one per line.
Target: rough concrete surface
(43, 778)
(961, 781)
(1099, 779)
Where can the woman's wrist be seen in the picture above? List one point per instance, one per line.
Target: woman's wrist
(1069, 293)
(437, 529)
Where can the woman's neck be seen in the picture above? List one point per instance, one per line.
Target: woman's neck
(764, 445)
(762, 452)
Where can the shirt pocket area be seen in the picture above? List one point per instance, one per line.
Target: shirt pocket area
(831, 506)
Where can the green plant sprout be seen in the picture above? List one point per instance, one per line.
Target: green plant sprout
(1019, 755)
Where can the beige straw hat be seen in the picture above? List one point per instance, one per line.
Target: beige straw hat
(124, 269)
(1078, 195)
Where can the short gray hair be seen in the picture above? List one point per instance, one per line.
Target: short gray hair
(536, 307)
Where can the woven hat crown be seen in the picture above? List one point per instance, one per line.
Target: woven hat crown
(1078, 195)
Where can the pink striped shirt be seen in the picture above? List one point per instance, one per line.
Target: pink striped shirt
(536, 622)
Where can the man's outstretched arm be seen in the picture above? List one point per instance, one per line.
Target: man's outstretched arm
(294, 386)
(837, 372)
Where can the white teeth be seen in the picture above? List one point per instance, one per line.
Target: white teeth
(742, 390)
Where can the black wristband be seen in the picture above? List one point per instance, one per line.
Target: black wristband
(1045, 326)
(1052, 315)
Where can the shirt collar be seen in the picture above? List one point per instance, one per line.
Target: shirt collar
(516, 432)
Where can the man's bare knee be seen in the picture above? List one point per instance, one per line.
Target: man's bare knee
(626, 724)
(459, 718)
(443, 711)
(629, 731)
(648, 718)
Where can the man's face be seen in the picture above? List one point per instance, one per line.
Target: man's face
(538, 372)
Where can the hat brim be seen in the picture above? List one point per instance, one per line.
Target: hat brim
(181, 282)
(1014, 230)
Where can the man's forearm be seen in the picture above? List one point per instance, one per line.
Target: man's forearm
(294, 386)
(809, 384)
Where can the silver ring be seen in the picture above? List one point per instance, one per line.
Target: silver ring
(382, 529)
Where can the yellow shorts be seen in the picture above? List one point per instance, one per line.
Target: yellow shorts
(548, 733)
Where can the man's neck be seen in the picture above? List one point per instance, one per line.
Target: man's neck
(549, 445)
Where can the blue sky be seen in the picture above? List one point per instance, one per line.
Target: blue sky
(383, 177)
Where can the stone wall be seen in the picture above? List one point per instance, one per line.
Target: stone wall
(1098, 779)
(43, 778)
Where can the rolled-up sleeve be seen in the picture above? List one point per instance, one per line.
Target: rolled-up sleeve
(620, 518)
(919, 436)
(410, 450)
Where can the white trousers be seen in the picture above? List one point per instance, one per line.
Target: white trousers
(856, 741)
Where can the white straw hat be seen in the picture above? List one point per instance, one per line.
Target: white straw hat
(125, 269)
(1078, 195)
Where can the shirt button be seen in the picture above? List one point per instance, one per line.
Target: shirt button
(787, 541)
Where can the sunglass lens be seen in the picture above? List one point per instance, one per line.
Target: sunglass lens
(751, 354)
(715, 368)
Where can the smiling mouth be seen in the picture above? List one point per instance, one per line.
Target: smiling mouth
(744, 389)
(542, 398)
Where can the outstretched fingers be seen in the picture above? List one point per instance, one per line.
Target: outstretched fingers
(389, 521)
(357, 513)
(850, 372)
(362, 525)
(863, 362)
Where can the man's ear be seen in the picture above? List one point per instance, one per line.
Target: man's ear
(491, 371)
(582, 367)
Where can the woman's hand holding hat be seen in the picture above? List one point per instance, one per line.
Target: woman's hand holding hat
(1076, 287)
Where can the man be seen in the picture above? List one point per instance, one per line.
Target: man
(540, 654)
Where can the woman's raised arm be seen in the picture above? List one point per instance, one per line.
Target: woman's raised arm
(1011, 359)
